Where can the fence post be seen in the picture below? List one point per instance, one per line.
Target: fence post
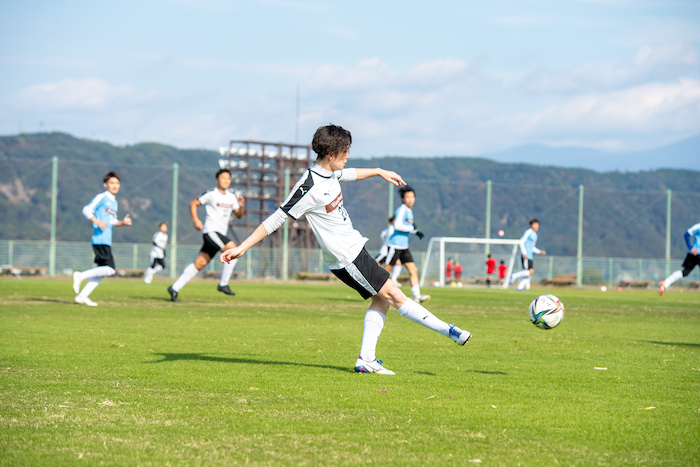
(173, 222)
(54, 192)
(390, 203)
(668, 232)
(488, 215)
(285, 233)
(579, 250)
(610, 272)
(11, 252)
(135, 256)
(551, 267)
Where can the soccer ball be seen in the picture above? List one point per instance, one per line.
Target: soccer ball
(546, 311)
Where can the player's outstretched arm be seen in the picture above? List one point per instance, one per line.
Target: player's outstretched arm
(388, 175)
(238, 251)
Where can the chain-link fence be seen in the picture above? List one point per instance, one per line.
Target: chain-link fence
(628, 230)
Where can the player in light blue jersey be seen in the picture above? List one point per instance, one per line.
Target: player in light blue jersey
(692, 240)
(527, 251)
(398, 242)
(102, 212)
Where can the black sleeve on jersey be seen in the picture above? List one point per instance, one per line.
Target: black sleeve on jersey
(301, 191)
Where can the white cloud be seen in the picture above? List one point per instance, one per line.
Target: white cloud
(72, 94)
(648, 108)
(650, 63)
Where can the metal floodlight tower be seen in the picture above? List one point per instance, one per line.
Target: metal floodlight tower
(257, 173)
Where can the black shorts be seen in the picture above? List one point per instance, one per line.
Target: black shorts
(690, 262)
(213, 243)
(363, 275)
(527, 263)
(395, 255)
(155, 261)
(103, 256)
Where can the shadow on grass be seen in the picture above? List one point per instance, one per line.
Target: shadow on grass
(680, 344)
(482, 372)
(176, 357)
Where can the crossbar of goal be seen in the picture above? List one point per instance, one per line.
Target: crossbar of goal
(440, 241)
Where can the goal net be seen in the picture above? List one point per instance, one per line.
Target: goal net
(471, 254)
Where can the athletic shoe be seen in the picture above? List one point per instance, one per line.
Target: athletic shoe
(225, 289)
(173, 294)
(459, 336)
(147, 278)
(375, 366)
(424, 298)
(84, 301)
(398, 284)
(76, 281)
(662, 288)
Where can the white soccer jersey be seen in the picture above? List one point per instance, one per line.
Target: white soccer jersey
(219, 207)
(160, 240)
(317, 195)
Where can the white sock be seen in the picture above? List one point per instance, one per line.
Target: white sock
(396, 272)
(99, 271)
(523, 273)
(374, 323)
(226, 272)
(156, 269)
(186, 276)
(524, 283)
(415, 290)
(419, 314)
(90, 286)
(673, 278)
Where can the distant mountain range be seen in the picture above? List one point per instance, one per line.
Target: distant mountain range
(624, 212)
(683, 154)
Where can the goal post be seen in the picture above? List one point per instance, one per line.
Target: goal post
(471, 253)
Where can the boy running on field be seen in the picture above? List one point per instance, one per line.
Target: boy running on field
(318, 196)
(102, 212)
(219, 204)
(692, 239)
(527, 250)
(157, 256)
(398, 243)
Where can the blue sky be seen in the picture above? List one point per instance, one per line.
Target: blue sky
(406, 77)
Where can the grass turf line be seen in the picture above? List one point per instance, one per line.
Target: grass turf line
(266, 377)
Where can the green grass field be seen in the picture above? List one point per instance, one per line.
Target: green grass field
(267, 377)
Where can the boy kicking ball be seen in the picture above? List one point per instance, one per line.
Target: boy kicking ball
(318, 196)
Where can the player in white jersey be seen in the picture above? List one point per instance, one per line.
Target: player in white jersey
(692, 240)
(384, 237)
(398, 243)
(102, 212)
(317, 195)
(527, 251)
(157, 256)
(219, 203)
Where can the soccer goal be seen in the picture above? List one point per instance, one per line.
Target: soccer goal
(471, 254)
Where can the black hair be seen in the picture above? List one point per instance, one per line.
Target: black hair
(159, 225)
(533, 221)
(406, 189)
(330, 140)
(391, 219)
(220, 171)
(109, 175)
(489, 255)
(503, 262)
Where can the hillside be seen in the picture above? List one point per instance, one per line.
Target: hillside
(624, 213)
